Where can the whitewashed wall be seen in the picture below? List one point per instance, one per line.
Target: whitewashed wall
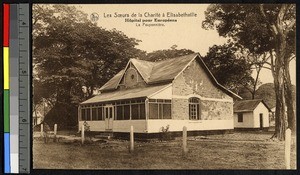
(155, 126)
(118, 125)
(261, 108)
(124, 126)
(165, 93)
(248, 120)
(94, 125)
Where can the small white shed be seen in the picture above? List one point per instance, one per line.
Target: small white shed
(251, 114)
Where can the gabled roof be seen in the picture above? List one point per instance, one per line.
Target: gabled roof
(143, 67)
(162, 72)
(247, 105)
(167, 70)
(113, 82)
(125, 94)
(152, 72)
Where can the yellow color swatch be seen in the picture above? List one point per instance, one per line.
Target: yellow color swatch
(6, 67)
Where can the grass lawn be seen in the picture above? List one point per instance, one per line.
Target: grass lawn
(232, 151)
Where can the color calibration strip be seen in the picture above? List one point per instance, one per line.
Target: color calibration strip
(6, 13)
(16, 76)
(14, 87)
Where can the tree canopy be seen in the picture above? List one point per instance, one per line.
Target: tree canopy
(160, 55)
(72, 57)
(247, 26)
(231, 70)
(263, 29)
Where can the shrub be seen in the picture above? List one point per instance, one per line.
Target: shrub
(165, 134)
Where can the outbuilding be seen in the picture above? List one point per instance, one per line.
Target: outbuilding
(251, 115)
(151, 96)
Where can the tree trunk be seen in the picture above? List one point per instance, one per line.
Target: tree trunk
(279, 73)
(288, 89)
(256, 80)
(280, 117)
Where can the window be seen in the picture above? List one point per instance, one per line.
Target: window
(110, 112)
(94, 114)
(138, 110)
(88, 114)
(153, 111)
(142, 111)
(194, 108)
(135, 112)
(100, 114)
(130, 109)
(83, 114)
(159, 109)
(167, 111)
(106, 113)
(240, 117)
(126, 112)
(119, 113)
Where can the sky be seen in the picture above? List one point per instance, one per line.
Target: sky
(186, 32)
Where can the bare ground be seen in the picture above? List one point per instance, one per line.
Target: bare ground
(245, 150)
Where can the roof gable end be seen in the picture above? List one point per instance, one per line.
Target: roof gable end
(248, 105)
(199, 60)
(114, 82)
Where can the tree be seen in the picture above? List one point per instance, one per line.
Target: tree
(230, 70)
(263, 29)
(160, 55)
(267, 93)
(282, 30)
(257, 62)
(73, 57)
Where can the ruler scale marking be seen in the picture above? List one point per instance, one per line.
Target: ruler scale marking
(24, 90)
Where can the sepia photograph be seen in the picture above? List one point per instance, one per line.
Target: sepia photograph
(164, 86)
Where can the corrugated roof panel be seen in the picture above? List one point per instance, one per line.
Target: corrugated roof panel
(169, 69)
(246, 105)
(144, 67)
(125, 94)
(154, 71)
(162, 71)
(112, 83)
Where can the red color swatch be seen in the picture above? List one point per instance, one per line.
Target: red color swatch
(5, 25)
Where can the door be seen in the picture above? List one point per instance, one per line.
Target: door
(109, 117)
(261, 119)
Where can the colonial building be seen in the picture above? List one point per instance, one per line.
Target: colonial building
(151, 95)
(251, 114)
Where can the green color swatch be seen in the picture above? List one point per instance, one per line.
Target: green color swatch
(6, 111)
